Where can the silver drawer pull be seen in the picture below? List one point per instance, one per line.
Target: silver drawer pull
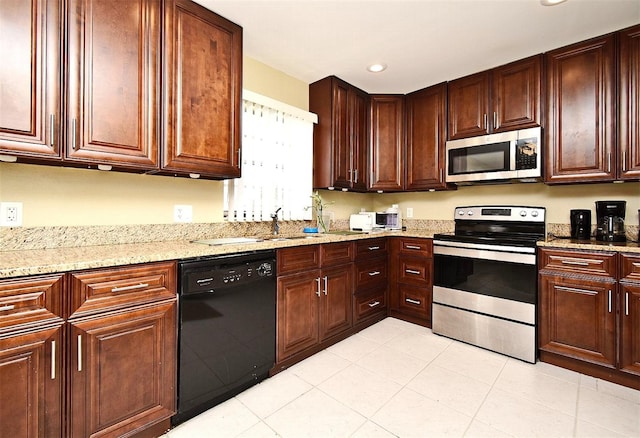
(132, 287)
(574, 263)
(374, 273)
(374, 304)
(413, 247)
(410, 301)
(7, 307)
(574, 289)
(53, 360)
(412, 271)
(373, 248)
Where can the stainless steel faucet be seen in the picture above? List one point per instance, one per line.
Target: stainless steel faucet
(275, 227)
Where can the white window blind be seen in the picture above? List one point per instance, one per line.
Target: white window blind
(277, 162)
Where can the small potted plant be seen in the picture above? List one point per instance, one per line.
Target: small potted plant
(318, 206)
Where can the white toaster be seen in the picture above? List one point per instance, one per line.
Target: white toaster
(363, 221)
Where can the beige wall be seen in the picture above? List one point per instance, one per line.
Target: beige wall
(63, 196)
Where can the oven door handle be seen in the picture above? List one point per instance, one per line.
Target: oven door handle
(486, 254)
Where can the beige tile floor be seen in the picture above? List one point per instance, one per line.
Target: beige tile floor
(396, 379)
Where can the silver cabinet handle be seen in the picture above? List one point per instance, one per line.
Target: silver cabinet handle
(73, 134)
(79, 352)
(574, 263)
(350, 177)
(7, 307)
(53, 360)
(573, 289)
(609, 301)
(325, 284)
(356, 176)
(374, 304)
(609, 162)
(626, 303)
(373, 248)
(624, 161)
(412, 271)
(52, 128)
(495, 120)
(441, 179)
(239, 158)
(318, 289)
(413, 247)
(138, 286)
(486, 122)
(409, 300)
(374, 273)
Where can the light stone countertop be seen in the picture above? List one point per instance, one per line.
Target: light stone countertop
(56, 260)
(46, 261)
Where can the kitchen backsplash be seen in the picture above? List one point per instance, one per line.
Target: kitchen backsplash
(27, 238)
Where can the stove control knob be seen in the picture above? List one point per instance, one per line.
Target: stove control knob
(470, 213)
(534, 213)
(461, 212)
(523, 213)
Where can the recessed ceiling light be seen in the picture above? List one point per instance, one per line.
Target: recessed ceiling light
(377, 68)
(551, 2)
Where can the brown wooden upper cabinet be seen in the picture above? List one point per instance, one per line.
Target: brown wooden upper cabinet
(203, 91)
(30, 79)
(502, 99)
(113, 78)
(340, 137)
(629, 104)
(386, 172)
(426, 128)
(580, 123)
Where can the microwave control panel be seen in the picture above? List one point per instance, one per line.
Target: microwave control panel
(526, 153)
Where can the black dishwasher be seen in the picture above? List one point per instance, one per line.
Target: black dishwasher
(227, 328)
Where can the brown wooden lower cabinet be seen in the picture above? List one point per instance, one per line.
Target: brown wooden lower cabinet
(589, 313)
(106, 372)
(313, 305)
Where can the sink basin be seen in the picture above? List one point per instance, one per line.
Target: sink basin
(283, 238)
(227, 241)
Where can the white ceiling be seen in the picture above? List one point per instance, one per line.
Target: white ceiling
(424, 42)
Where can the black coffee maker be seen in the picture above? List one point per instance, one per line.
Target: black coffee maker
(610, 221)
(580, 224)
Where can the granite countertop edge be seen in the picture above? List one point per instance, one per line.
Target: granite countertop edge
(65, 259)
(590, 245)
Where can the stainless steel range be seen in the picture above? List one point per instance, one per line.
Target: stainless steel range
(485, 278)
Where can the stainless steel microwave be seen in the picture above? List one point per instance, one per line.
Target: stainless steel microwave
(503, 156)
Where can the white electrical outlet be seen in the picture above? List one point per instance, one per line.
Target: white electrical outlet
(409, 212)
(10, 214)
(182, 213)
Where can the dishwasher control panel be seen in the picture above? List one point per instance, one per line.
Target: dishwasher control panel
(202, 276)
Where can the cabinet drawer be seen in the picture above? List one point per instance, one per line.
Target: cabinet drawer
(371, 273)
(29, 300)
(630, 268)
(369, 304)
(298, 258)
(415, 247)
(371, 248)
(109, 289)
(576, 262)
(415, 271)
(336, 253)
(416, 300)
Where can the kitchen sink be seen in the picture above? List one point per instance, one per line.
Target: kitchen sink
(239, 240)
(284, 238)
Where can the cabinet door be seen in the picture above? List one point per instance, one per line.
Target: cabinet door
(358, 107)
(426, 138)
(387, 143)
(30, 78)
(114, 82)
(580, 134)
(515, 95)
(203, 81)
(630, 328)
(341, 135)
(469, 106)
(578, 318)
(297, 313)
(336, 301)
(629, 95)
(123, 370)
(31, 382)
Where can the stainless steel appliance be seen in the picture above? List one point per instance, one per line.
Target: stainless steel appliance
(503, 156)
(227, 328)
(580, 224)
(485, 278)
(610, 221)
(389, 221)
